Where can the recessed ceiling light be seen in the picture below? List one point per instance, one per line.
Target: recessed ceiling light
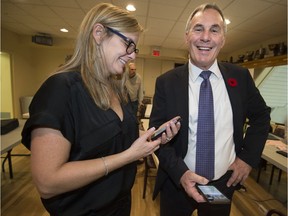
(227, 21)
(130, 7)
(64, 30)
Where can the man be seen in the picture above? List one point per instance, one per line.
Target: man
(135, 87)
(235, 99)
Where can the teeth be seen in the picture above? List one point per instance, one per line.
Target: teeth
(124, 62)
(204, 48)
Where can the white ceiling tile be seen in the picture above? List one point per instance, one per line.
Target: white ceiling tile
(69, 13)
(274, 13)
(173, 43)
(8, 9)
(275, 29)
(88, 4)
(37, 2)
(252, 8)
(178, 3)
(252, 21)
(178, 30)
(250, 25)
(222, 4)
(141, 8)
(52, 20)
(27, 20)
(167, 12)
(189, 9)
(62, 3)
(159, 27)
(37, 10)
(153, 40)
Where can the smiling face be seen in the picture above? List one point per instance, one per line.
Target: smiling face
(114, 49)
(205, 38)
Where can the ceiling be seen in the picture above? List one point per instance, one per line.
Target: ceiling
(252, 21)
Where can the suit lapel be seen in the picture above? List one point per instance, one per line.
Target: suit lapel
(231, 82)
(183, 91)
(182, 104)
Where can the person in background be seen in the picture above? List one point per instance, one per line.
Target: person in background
(83, 136)
(235, 99)
(134, 87)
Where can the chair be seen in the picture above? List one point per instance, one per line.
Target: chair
(141, 111)
(280, 132)
(24, 105)
(274, 212)
(263, 164)
(150, 162)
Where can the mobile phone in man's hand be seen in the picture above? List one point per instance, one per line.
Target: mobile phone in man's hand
(212, 194)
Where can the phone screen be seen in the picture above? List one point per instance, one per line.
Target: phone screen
(212, 194)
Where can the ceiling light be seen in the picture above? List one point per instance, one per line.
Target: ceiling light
(63, 30)
(130, 7)
(227, 21)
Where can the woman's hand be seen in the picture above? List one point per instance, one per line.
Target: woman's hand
(143, 146)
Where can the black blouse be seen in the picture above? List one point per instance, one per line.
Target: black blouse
(63, 103)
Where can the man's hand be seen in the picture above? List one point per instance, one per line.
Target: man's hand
(188, 182)
(240, 173)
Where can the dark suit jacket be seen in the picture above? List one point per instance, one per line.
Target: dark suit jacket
(171, 99)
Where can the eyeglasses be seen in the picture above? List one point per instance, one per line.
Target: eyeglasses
(131, 46)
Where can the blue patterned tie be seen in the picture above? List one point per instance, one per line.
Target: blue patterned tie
(205, 129)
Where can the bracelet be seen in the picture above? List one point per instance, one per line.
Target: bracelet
(106, 167)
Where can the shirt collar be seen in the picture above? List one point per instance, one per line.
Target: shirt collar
(195, 71)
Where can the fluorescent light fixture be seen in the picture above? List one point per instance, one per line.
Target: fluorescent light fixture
(63, 30)
(130, 7)
(227, 21)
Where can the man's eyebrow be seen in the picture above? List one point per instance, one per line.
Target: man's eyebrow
(198, 25)
(201, 25)
(216, 26)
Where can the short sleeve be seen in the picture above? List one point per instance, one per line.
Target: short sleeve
(48, 106)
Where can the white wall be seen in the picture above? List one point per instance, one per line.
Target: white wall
(32, 63)
(6, 86)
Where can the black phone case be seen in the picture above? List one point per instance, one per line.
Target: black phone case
(159, 131)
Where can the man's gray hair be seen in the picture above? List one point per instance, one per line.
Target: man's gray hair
(202, 8)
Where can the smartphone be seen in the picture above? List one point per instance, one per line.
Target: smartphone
(161, 130)
(212, 194)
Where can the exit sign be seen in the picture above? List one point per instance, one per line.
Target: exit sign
(156, 52)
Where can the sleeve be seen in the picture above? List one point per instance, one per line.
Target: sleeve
(48, 106)
(258, 114)
(171, 161)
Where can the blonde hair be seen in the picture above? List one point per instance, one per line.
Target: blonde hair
(88, 57)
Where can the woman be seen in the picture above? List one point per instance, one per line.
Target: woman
(82, 130)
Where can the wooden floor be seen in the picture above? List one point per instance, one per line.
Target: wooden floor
(19, 196)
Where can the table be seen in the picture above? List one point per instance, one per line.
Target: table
(9, 141)
(270, 155)
(148, 110)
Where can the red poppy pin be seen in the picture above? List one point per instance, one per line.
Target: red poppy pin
(232, 82)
